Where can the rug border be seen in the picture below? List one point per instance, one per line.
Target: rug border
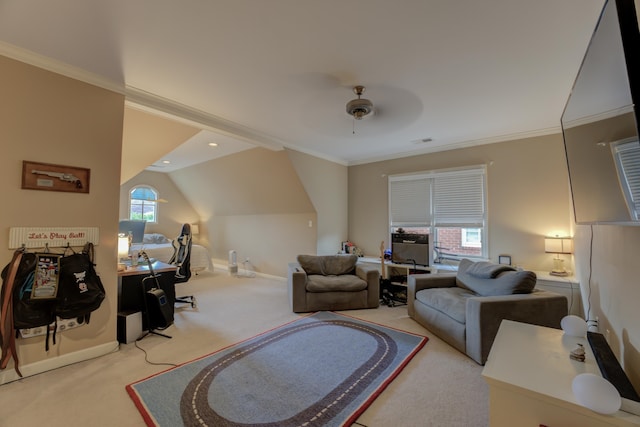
(150, 421)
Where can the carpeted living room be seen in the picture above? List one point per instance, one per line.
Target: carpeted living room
(396, 141)
(438, 387)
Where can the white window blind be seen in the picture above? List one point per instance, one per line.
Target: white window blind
(452, 198)
(627, 160)
(459, 199)
(409, 201)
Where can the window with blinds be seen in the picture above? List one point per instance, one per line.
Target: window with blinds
(626, 154)
(449, 205)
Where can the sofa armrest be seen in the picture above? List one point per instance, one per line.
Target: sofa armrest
(484, 315)
(296, 287)
(418, 282)
(370, 274)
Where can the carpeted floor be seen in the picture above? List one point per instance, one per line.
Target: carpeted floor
(439, 387)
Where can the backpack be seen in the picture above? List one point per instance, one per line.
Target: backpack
(19, 310)
(27, 312)
(80, 291)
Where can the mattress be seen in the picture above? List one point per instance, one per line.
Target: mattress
(200, 259)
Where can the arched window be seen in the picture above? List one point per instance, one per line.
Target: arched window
(143, 203)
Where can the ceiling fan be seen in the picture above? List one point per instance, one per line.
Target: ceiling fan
(359, 108)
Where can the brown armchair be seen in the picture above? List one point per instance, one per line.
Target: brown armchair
(332, 282)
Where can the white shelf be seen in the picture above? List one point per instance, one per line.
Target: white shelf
(569, 286)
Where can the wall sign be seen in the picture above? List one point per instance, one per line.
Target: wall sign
(39, 237)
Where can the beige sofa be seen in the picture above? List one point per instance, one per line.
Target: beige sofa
(465, 308)
(332, 282)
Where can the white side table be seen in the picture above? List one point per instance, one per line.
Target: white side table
(563, 285)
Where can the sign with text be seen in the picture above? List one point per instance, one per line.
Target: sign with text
(38, 237)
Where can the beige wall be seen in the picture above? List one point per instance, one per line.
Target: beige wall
(254, 203)
(171, 215)
(326, 185)
(528, 196)
(607, 261)
(47, 118)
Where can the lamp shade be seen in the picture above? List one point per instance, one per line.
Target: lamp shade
(596, 393)
(574, 326)
(558, 245)
(195, 229)
(123, 246)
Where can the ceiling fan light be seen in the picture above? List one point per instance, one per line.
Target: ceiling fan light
(359, 108)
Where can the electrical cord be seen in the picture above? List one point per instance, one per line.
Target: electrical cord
(590, 322)
(146, 358)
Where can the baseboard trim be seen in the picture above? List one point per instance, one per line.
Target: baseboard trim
(9, 374)
(225, 267)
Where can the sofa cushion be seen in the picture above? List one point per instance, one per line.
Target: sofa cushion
(503, 283)
(328, 264)
(486, 270)
(449, 301)
(332, 283)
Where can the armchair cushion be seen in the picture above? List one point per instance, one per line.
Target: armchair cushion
(342, 283)
(328, 264)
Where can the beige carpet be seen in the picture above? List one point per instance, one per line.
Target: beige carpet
(439, 387)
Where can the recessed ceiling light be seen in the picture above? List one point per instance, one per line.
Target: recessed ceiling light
(166, 162)
(213, 144)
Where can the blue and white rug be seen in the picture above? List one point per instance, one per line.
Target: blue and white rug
(321, 370)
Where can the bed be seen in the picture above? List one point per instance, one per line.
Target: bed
(159, 247)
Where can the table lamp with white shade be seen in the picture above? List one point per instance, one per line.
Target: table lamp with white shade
(558, 245)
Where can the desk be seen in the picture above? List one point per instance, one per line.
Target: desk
(530, 375)
(130, 286)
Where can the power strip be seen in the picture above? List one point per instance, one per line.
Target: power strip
(63, 325)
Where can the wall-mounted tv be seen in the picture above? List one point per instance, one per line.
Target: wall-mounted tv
(600, 122)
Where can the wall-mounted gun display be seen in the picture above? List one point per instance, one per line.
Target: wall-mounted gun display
(43, 176)
(62, 176)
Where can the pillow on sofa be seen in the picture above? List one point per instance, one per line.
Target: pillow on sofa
(328, 264)
(504, 283)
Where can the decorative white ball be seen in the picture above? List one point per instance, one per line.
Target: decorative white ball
(596, 393)
(574, 326)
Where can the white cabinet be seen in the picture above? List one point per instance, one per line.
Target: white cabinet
(529, 373)
(567, 286)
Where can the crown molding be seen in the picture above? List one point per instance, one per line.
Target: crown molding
(146, 101)
(59, 67)
(137, 98)
(462, 144)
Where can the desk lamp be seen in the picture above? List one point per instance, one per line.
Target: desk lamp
(123, 250)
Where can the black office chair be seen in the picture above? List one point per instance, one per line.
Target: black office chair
(182, 260)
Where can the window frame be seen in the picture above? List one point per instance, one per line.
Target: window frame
(145, 202)
(430, 220)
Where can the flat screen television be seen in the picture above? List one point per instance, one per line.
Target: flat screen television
(600, 122)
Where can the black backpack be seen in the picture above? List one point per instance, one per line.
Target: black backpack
(81, 290)
(19, 310)
(27, 312)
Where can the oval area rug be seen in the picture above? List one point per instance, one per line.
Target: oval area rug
(324, 369)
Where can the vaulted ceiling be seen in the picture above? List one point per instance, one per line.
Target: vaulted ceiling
(441, 74)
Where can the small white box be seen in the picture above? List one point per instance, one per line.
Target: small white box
(129, 326)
